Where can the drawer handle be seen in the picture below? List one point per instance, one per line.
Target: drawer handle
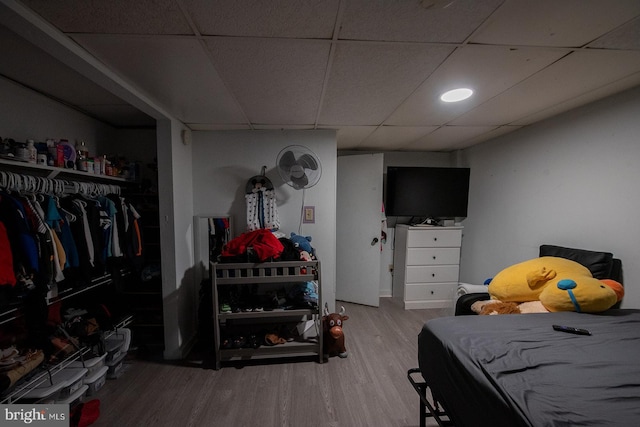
(433, 274)
(435, 239)
(432, 292)
(434, 257)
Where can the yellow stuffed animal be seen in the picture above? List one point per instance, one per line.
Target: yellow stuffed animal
(559, 284)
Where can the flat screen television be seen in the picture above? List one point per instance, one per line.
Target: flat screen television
(427, 192)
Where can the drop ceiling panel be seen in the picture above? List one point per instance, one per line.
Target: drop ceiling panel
(574, 75)
(209, 126)
(175, 71)
(350, 137)
(259, 18)
(275, 80)
(433, 21)
(368, 81)
(113, 16)
(488, 70)
(495, 133)
(625, 37)
(590, 96)
(447, 138)
(571, 23)
(394, 137)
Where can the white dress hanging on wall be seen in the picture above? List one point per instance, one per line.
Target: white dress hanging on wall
(262, 211)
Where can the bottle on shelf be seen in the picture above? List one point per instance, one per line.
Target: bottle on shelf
(32, 152)
(81, 156)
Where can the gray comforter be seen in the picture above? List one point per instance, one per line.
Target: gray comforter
(515, 370)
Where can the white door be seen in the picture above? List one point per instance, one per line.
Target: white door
(359, 226)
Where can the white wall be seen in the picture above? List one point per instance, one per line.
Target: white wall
(25, 114)
(179, 290)
(223, 162)
(570, 181)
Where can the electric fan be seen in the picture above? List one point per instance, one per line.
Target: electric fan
(299, 167)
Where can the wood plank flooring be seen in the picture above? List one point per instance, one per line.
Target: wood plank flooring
(369, 388)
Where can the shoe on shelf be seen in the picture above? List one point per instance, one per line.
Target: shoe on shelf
(225, 308)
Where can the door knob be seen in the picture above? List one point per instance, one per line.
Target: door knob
(374, 241)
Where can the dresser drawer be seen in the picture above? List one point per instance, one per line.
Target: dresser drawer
(432, 273)
(434, 238)
(435, 291)
(433, 256)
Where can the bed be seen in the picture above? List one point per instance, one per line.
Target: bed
(516, 370)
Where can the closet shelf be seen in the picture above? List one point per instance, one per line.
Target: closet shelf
(52, 172)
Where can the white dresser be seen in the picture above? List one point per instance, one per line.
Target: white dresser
(426, 265)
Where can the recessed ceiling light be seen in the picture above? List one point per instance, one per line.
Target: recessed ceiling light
(456, 95)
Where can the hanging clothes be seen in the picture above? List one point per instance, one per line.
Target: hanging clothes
(7, 276)
(262, 211)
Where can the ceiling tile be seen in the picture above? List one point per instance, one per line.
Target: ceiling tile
(259, 18)
(625, 37)
(350, 137)
(209, 126)
(275, 80)
(283, 127)
(434, 21)
(394, 137)
(447, 138)
(176, 71)
(488, 70)
(582, 99)
(113, 16)
(580, 72)
(367, 81)
(495, 133)
(570, 23)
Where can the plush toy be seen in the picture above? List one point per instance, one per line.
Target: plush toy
(333, 335)
(498, 307)
(302, 243)
(559, 284)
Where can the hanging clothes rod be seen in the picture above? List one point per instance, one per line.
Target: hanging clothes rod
(37, 184)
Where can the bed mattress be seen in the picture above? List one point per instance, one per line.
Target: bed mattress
(515, 370)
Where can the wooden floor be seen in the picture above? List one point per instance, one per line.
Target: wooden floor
(369, 388)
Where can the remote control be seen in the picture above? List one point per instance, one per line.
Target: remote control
(571, 330)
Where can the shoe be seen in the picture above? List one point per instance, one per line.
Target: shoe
(225, 308)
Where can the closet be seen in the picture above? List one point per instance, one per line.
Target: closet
(68, 240)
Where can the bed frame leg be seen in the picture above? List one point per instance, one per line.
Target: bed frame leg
(434, 411)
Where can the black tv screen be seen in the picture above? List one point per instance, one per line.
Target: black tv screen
(427, 192)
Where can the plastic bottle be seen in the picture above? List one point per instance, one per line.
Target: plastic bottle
(81, 157)
(32, 152)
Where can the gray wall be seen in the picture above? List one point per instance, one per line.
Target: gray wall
(570, 181)
(223, 162)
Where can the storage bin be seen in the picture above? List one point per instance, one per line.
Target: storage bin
(115, 367)
(64, 383)
(113, 346)
(74, 377)
(96, 380)
(74, 398)
(92, 365)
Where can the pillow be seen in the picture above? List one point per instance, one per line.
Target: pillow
(600, 264)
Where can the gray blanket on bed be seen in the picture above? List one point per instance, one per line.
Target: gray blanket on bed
(515, 370)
